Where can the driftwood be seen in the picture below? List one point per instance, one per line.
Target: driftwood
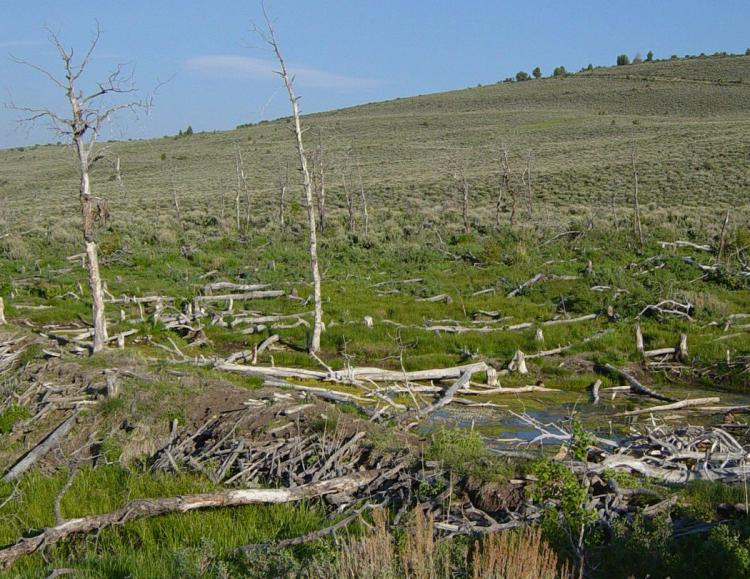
(349, 374)
(146, 508)
(40, 450)
(519, 290)
(636, 386)
(674, 406)
(227, 285)
(449, 394)
(595, 391)
(689, 244)
(438, 298)
(252, 295)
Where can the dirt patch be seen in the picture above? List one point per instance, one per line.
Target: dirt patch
(495, 497)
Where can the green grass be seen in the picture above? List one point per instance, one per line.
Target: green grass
(689, 119)
(195, 544)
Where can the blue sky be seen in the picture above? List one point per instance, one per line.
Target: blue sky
(344, 52)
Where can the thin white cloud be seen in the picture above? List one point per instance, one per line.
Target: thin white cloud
(18, 43)
(229, 66)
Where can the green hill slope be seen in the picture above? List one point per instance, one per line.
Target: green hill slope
(688, 118)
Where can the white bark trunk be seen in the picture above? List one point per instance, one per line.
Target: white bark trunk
(314, 345)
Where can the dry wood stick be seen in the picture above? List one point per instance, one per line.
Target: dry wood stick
(674, 406)
(143, 508)
(41, 449)
(636, 386)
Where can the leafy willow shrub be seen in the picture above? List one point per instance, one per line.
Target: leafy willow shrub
(563, 496)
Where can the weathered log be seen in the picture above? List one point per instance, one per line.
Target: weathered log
(674, 406)
(690, 244)
(145, 508)
(552, 352)
(639, 339)
(585, 318)
(502, 390)
(140, 300)
(518, 363)
(324, 393)
(264, 345)
(659, 352)
(636, 386)
(438, 298)
(228, 285)
(536, 279)
(595, 391)
(253, 295)
(40, 450)
(354, 374)
(449, 394)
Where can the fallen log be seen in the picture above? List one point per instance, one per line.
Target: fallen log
(41, 449)
(449, 394)
(323, 393)
(569, 320)
(228, 285)
(536, 279)
(349, 375)
(674, 406)
(636, 386)
(254, 295)
(438, 298)
(146, 508)
(690, 244)
(502, 390)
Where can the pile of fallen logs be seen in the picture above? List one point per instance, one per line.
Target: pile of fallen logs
(11, 350)
(668, 454)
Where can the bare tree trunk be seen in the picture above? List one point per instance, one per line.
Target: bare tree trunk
(722, 236)
(283, 181)
(2, 312)
(223, 203)
(458, 173)
(465, 188)
(89, 237)
(504, 183)
(83, 127)
(176, 202)
(314, 345)
(529, 189)
(240, 170)
(637, 208)
(348, 194)
(118, 174)
(319, 179)
(363, 197)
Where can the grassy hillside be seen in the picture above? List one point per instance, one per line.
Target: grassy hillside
(567, 285)
(689, 119)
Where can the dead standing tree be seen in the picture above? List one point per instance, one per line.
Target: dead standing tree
(363, 198)
(526, 178)
(283, 183)
(636, 203)
(269, 36)
(504, 182)
(457, 169)
(346, 177)
(83, 127)
(319, 179)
